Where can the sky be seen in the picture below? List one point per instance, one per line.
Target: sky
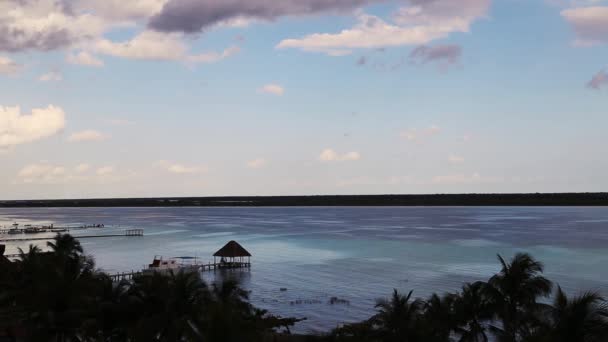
(146, 98)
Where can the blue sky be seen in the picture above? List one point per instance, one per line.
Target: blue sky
(102, 98)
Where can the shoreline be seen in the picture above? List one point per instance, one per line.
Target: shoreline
(430, 200)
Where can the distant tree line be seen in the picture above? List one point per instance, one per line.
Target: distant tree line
(60, 296)
(530, 199)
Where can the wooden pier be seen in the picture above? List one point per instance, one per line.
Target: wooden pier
(128, 276)
(52, 228)
(128, 232)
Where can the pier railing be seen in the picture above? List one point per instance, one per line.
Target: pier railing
(128, 233)
(128, 276)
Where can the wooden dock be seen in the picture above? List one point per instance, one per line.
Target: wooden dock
(128, 232)
(128, 276)
(50, 228)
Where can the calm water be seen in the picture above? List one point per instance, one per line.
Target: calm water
(355, 254)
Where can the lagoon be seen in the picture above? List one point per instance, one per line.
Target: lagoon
(356, 254)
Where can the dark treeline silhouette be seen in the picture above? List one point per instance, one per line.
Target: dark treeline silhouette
(533, 199)
(506, 308)
(60, 296)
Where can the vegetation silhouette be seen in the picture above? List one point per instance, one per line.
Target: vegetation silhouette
(60, 296)
(488, 199)
(506, 308)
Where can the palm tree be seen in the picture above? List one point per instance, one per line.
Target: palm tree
(55, 294)
(65, 245)
(583, 318)
(32, 252)
(171, 307)
(439, 318)
(398, 319)
(115, 312)
(472, 311)
(513, 294)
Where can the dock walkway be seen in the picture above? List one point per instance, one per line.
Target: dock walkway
(200, 268)
(51, 228)
(128, 232)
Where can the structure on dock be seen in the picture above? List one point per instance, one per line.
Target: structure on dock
(134, 232)
(232, 254)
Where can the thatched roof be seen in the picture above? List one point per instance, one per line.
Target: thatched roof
(232, 250)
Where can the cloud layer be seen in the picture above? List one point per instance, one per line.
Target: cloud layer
(181, 169)
(256, 163)
(51, 76)
(84, 58)
(444, 55)
(329, 155)
(8, 66)
(82, 26)
(273, 89)
(599, 80)
(49, 173)
(416, 135)
(419, 23)
(193, 16)
(16, 128)
(86, 135)
(589, 23)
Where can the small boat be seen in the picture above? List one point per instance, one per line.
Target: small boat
(59, 230)
(13, 231)
(33, 230)
(173, 265)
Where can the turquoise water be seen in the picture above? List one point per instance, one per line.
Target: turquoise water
(355, 254)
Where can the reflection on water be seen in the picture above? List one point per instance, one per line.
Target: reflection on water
(302, 257)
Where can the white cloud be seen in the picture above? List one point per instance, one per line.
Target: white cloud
(84, 58)
(48, 173)
(18, 129)
(104, 171)
(419, 134)
(120, 10)
(51, 76)
(375, 181)
(419, 23)
(9, 67)
(42, 173)
(120, 122)
(86, 135)
(45, 25)
(273, 89)
(256, 163)
(81, 168)
(329, 155)
(179, 168)
(182, 169)
(153, 45)
(589, 23)
(465, 179)
(82, 27)
(213, 56)
(454, 159)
